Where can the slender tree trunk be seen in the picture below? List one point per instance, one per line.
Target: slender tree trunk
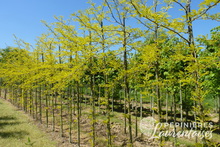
(5, 96)
(78, 114)
(152, 105)
(1, 83)
(106, 90)
(61, 114)
(181, 105)
(174, 102)
(54, 104)
(112, 100)
(99, 99)
(26, 101)
(47, 107)
(185, 99)
(108, 121)
(167, 96)
(171, 107)
(136, 113)
(190, 43)
(31, 102)
(158, 93)
(16, 96)
(126, 82)
(141, 107)
(36, 104)
(70, 111)
(22, 99)
(74, 101)
(125, 113)
(92, 88)
(12, 94)
(218, 111)
(141, 110)
(40, 103)
(92, 78)
(195, 119)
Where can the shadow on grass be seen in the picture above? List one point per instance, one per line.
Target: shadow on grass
(4, 124)
(14, 134)
(5, 121)
(7, 118)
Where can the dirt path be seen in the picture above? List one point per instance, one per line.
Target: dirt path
(18, 130)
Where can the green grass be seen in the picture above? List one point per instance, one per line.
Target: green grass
(17, 129)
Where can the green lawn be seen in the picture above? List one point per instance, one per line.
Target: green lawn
(17, 129)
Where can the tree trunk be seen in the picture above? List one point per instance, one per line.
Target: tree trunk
(136, 113)
(5, 96)
(92, 82)
(40, 103)
(36, 104)
(47, 107)
(167, 95)
(174, 102)
(53, 109)
(126, 82)
(218, 111)
(70, 111)
(78, 114)
(61, 113)
(181, 105)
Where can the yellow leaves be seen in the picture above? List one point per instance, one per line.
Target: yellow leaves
(150, 53)
(206, 3)
(193, 13)
(166, 8)
(122, 1)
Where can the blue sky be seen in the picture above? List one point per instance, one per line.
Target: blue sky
(22, 18)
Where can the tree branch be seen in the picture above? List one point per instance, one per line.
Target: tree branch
(112, 12)
(205, 11)
(176, 1)
(160, 25)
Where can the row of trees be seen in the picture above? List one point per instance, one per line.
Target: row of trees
(109, 60)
